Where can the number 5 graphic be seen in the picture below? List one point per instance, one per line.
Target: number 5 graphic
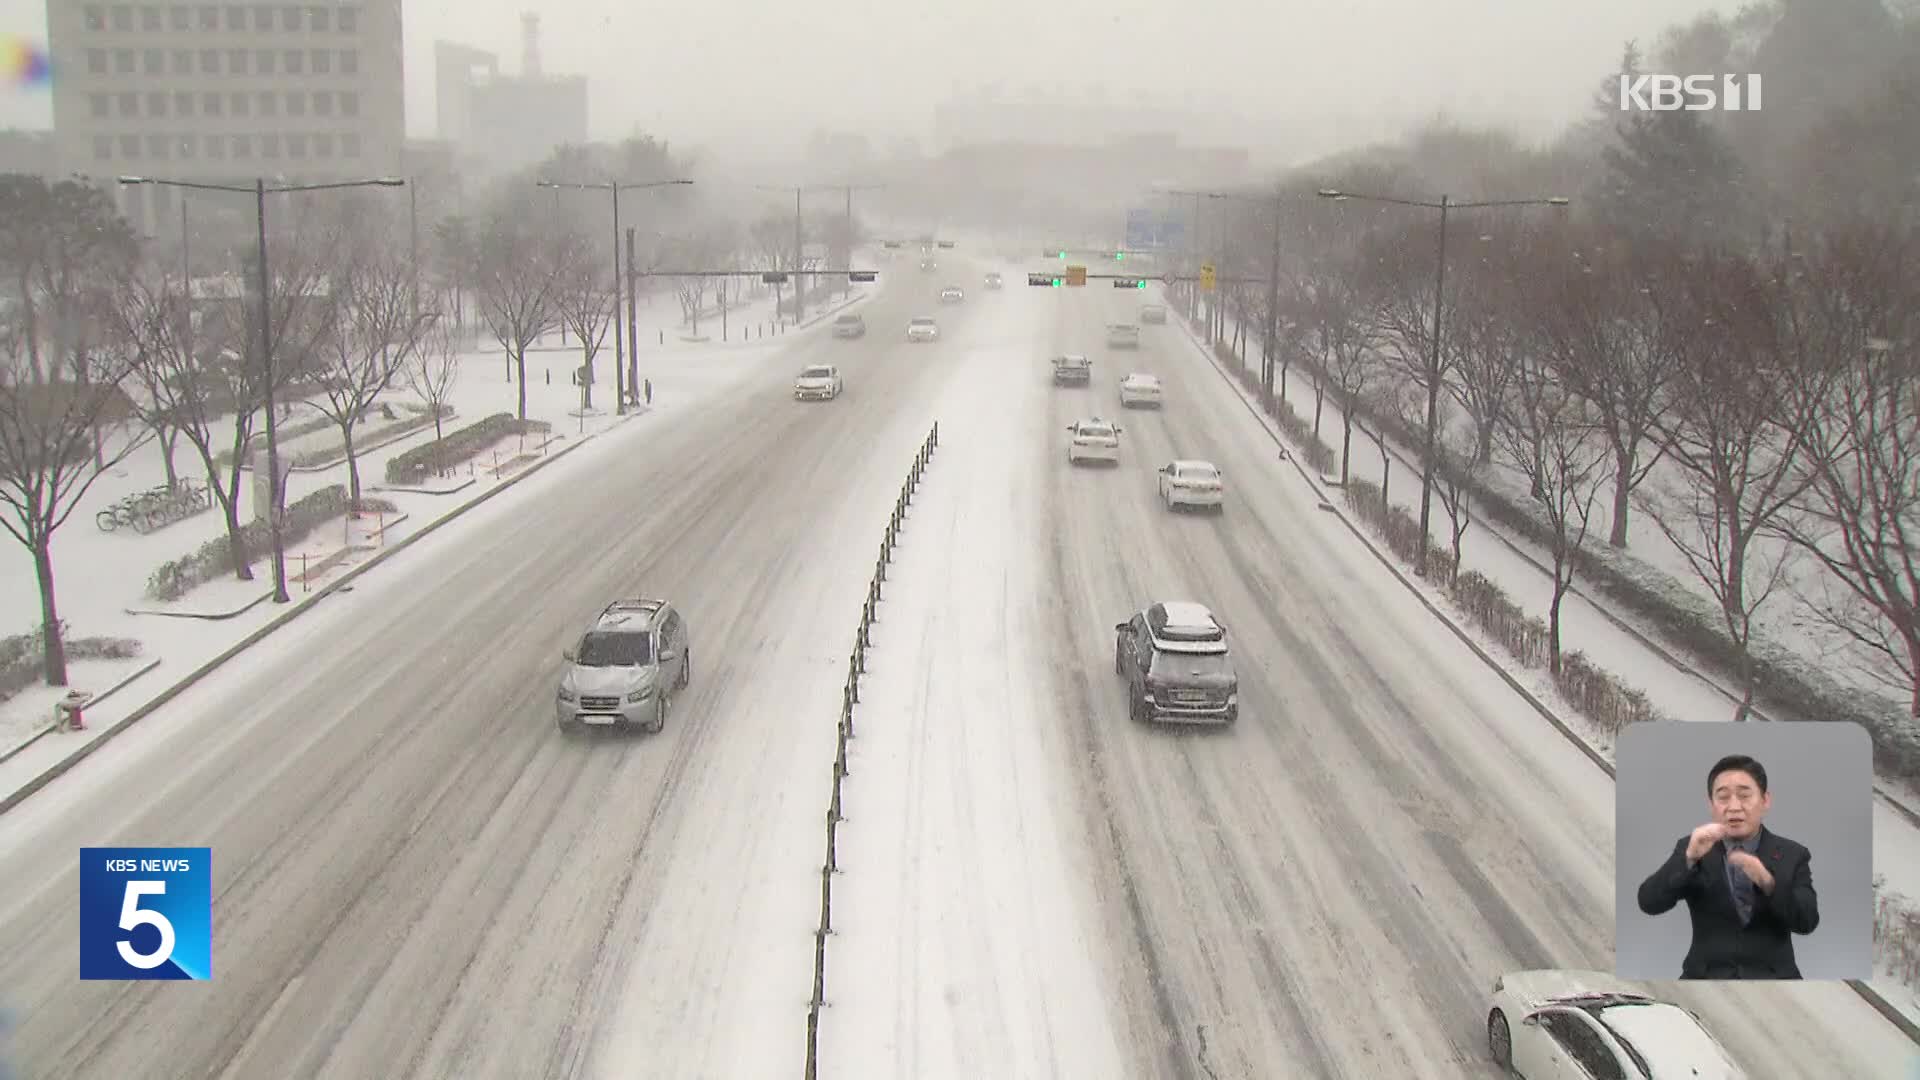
(133, 915)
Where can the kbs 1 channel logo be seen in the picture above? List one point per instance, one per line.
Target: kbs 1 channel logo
(146, 913)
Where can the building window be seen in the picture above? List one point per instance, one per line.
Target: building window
(96, 61)
(240, 103)
(323, 146)
(97, 105)
(129, 146)
(129, 103)
(187, 147)
(158, 145)
(210, 104)
(155, 61)
(150, 20)
(296, 103)
(122, 19)
(123, 62)
(292, 61)
(317, 20)
(349, 104)
(182, 103)
(182, 19)
(323, 103)
(350, 144)
(236, 61)
(102, 147)
(349, 61)
(236, 17)
(209, 17)
(183, 61)
(216, 146)
(349, 20)
(290, 15)
(156, 104)
(210, 61)
(297, 146)
(322, 61)
(262, 17)
(95, 16)
(242, 146)
(269, 103)
(270, 146)
(263, 62)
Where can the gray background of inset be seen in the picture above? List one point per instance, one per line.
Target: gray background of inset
(1821, 778)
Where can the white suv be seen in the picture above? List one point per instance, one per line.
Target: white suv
(626, 668)
(1094, 439)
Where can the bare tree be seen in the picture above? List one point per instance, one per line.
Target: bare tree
(51, 424)
(1340, 335)
(1747, 383)
(1457, 460)
(372, 329)
(1383, 398)
(434, 367)
(587, 304)
(1483, 340)
(519, 283)
(1550, 434)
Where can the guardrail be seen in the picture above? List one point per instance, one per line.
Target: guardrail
(849, 698)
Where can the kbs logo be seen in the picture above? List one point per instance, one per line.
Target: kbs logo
(146, 913)
(1691, 93)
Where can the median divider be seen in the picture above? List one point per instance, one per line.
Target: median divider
(849, 702)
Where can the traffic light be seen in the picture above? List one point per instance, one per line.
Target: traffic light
(1129, 283)
(946, 243)
(1118, 255)
(860, 276)
(1208, 279)
(1044, 280)
(774, 277)
(1076, 275)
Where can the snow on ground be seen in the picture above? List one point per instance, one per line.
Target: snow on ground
(101, 578)
(958, 950)
(1681, 695)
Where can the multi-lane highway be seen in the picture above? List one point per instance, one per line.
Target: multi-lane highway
(416, 874)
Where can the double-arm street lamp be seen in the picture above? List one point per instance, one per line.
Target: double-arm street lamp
(799, 242)
(259, 190)
(1434, 367)
(622, 350)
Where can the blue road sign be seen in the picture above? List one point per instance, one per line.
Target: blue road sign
(1150, 230)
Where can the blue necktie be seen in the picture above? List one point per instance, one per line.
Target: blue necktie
(1742, 889)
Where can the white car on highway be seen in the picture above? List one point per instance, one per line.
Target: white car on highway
(1123, 336)
(923, 329)
(1192, 483)
(1140, 390)
(821, 382)
(1576, 1025)
(1094, 439)
(952, 295)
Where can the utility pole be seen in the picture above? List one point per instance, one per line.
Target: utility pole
(799, 259)
(848, 240)
(413, 250)
(633, 317)
(1271, 358)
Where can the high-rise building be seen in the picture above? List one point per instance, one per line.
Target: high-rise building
(225, 92)
(507, 122)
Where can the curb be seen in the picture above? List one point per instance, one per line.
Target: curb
(216, 616)
(1904, 1024)
(455, 490)
(53, 773)
(102, 696)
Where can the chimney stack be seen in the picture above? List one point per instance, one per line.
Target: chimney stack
(530, 45)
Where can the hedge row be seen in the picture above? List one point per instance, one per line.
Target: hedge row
(215, 557)
(22, 659)
(1681, 615)
(1896, 933)
(439, 456)
(287, 432)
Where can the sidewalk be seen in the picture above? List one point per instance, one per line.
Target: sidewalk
(956, 950)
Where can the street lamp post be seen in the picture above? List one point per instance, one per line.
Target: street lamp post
(1270, 354)
(621, 351)
(799, 243)
(260, 191)
(1431, 436)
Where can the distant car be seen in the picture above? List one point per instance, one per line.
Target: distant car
(1140, 389)
(1093, 439)
(1575, 1025)
(1153, 313)
(1177, 664)
(1072, 369)
(626, 668)
(820, 382)
(1192, 483)
(928, 266)
(993, 281)
(1123, 336)
(952, 295)
(850, 325)
(923, 329)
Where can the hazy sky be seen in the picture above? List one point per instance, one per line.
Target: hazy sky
(1327, 72)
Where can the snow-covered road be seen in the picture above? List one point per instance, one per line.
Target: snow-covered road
(415, 874)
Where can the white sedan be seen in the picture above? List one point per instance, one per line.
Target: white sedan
(923, 329)
(1575, 1025)
(1192, 483)
(1093, 440)
(1140, 389)
(820, 382)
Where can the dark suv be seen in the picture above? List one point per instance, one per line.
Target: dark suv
(626, 668)
(1178, 668)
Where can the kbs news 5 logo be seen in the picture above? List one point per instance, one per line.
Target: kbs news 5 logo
(146, 913)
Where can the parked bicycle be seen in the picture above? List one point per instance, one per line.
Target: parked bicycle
(155, 508)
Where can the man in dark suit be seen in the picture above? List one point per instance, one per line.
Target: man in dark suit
(1748, 889)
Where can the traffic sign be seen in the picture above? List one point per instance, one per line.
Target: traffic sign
(1129, 283)
(1208, 278)
(1043, 280)
(860, 276)
(1076, 275)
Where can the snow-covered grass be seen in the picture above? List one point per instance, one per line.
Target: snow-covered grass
(1672, 692)
(958, 950)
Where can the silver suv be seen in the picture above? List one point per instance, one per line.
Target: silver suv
(626, 668)
(1175, 658)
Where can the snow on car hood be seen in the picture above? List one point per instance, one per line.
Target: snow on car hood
(607, 681)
